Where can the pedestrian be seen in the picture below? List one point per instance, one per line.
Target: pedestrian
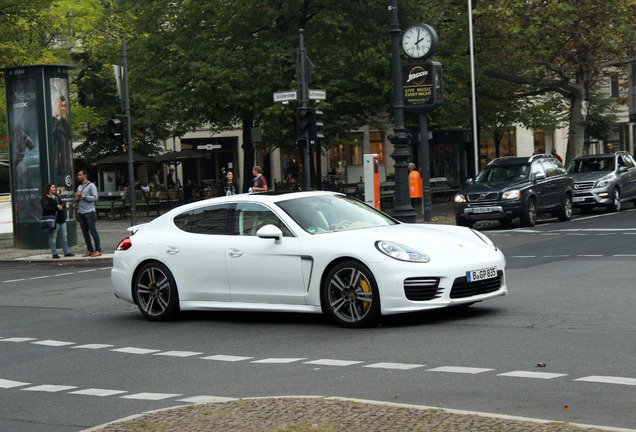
(555, 154)
(415, 184)
(86, 196)
(259, 184)
(170, 182)
(229, 188)
(52, 205)
(223, 175)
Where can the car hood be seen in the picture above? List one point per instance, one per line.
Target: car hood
(495, 186)
(590, 176)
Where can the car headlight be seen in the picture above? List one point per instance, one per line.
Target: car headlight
(401, 252)
(512, 194)
(603, 182)
(460, 198)
(484, 239)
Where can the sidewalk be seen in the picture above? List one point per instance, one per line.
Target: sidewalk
(297, 413)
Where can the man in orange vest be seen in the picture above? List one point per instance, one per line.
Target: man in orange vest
(415, 183)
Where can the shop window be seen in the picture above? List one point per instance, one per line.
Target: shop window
(507, 147)
(539, 141)
(614, 86)
(346, 153)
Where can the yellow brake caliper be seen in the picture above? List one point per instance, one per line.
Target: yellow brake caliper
(366, 288)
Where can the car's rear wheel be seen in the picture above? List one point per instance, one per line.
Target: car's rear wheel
(350, 295)
(615, 206)
(155, 292)
(529, 216)
(565, 214)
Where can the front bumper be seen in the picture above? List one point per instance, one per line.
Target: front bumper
(495, 211)
(599, 196)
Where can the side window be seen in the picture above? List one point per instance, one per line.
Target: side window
(629, 161)
(536, 168)
(205, 220)
(250, 217)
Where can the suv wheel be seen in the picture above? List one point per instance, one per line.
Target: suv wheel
(460, 221)
(529, 217)
(565, 214)
(615, 206)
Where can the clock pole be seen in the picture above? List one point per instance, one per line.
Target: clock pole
(402, 208)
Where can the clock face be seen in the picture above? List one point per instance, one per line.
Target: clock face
(419, 40)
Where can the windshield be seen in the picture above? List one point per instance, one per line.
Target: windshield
(327, 213)
(591, 165)
(503, 173)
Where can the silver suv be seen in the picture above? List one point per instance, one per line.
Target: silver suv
(603, 180)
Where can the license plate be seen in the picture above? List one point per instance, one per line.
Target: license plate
(578, 199)
(481, 274)
(482, 210)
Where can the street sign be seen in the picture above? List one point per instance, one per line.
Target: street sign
(286, 96)
(292, 95)
(316, 94)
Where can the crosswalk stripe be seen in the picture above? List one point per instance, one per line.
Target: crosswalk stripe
(526, 374)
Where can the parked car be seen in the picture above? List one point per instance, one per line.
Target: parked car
(511, 187)
(603, 180)
(314, 252)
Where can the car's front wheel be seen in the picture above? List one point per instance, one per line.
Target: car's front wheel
(350, 295)
(565, 213)
(529, 216)
(460, 221)
(155, 292)
(615, 205)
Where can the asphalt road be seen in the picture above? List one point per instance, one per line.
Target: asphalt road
(560, 346)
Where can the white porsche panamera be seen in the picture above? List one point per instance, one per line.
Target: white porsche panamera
(314, 252)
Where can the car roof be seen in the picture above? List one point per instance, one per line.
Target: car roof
(597, 156)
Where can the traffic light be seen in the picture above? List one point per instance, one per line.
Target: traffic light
(316, 125)
(304, 120)
(116, 126)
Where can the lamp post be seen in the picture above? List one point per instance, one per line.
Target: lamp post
(402, 208)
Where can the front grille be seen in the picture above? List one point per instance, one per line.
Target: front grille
(462, 288)
(583, 186)
(487, 196)
(422, 288)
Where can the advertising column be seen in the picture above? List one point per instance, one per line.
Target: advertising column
(40, 148)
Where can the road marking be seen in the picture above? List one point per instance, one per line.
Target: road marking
(17, 339)
(458, 369)
(331, 362)
(133, 350)
(93, 346)
(151, 396)
(178, 353)
(399, 366)
(54, 343)
(13, 280)
(97, 392)
(625, 255)
(526, 374)
(279, 360)
(226, 358)
(608, 380)
(11, 384)
(49, 388)
(39, 277)
(63, 274)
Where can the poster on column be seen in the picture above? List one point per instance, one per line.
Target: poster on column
(24, 144)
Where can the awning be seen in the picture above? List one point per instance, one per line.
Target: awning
(179, 156)
(122, 159)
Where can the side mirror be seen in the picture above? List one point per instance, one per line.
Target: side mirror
(539, 176)
(270, 232)
(470, 181)
(622, 169)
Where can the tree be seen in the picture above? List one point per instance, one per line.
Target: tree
(559, 46)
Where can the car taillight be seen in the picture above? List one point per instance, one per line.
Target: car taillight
(125, 244)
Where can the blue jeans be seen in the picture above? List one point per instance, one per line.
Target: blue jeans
(60, 228)
(87, 223)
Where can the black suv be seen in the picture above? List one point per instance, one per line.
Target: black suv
(512, 187)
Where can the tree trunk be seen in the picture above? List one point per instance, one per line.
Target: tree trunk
(576, 130)
(248, 153)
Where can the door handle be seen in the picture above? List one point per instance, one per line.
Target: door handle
(234, 252)
(171, 250)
